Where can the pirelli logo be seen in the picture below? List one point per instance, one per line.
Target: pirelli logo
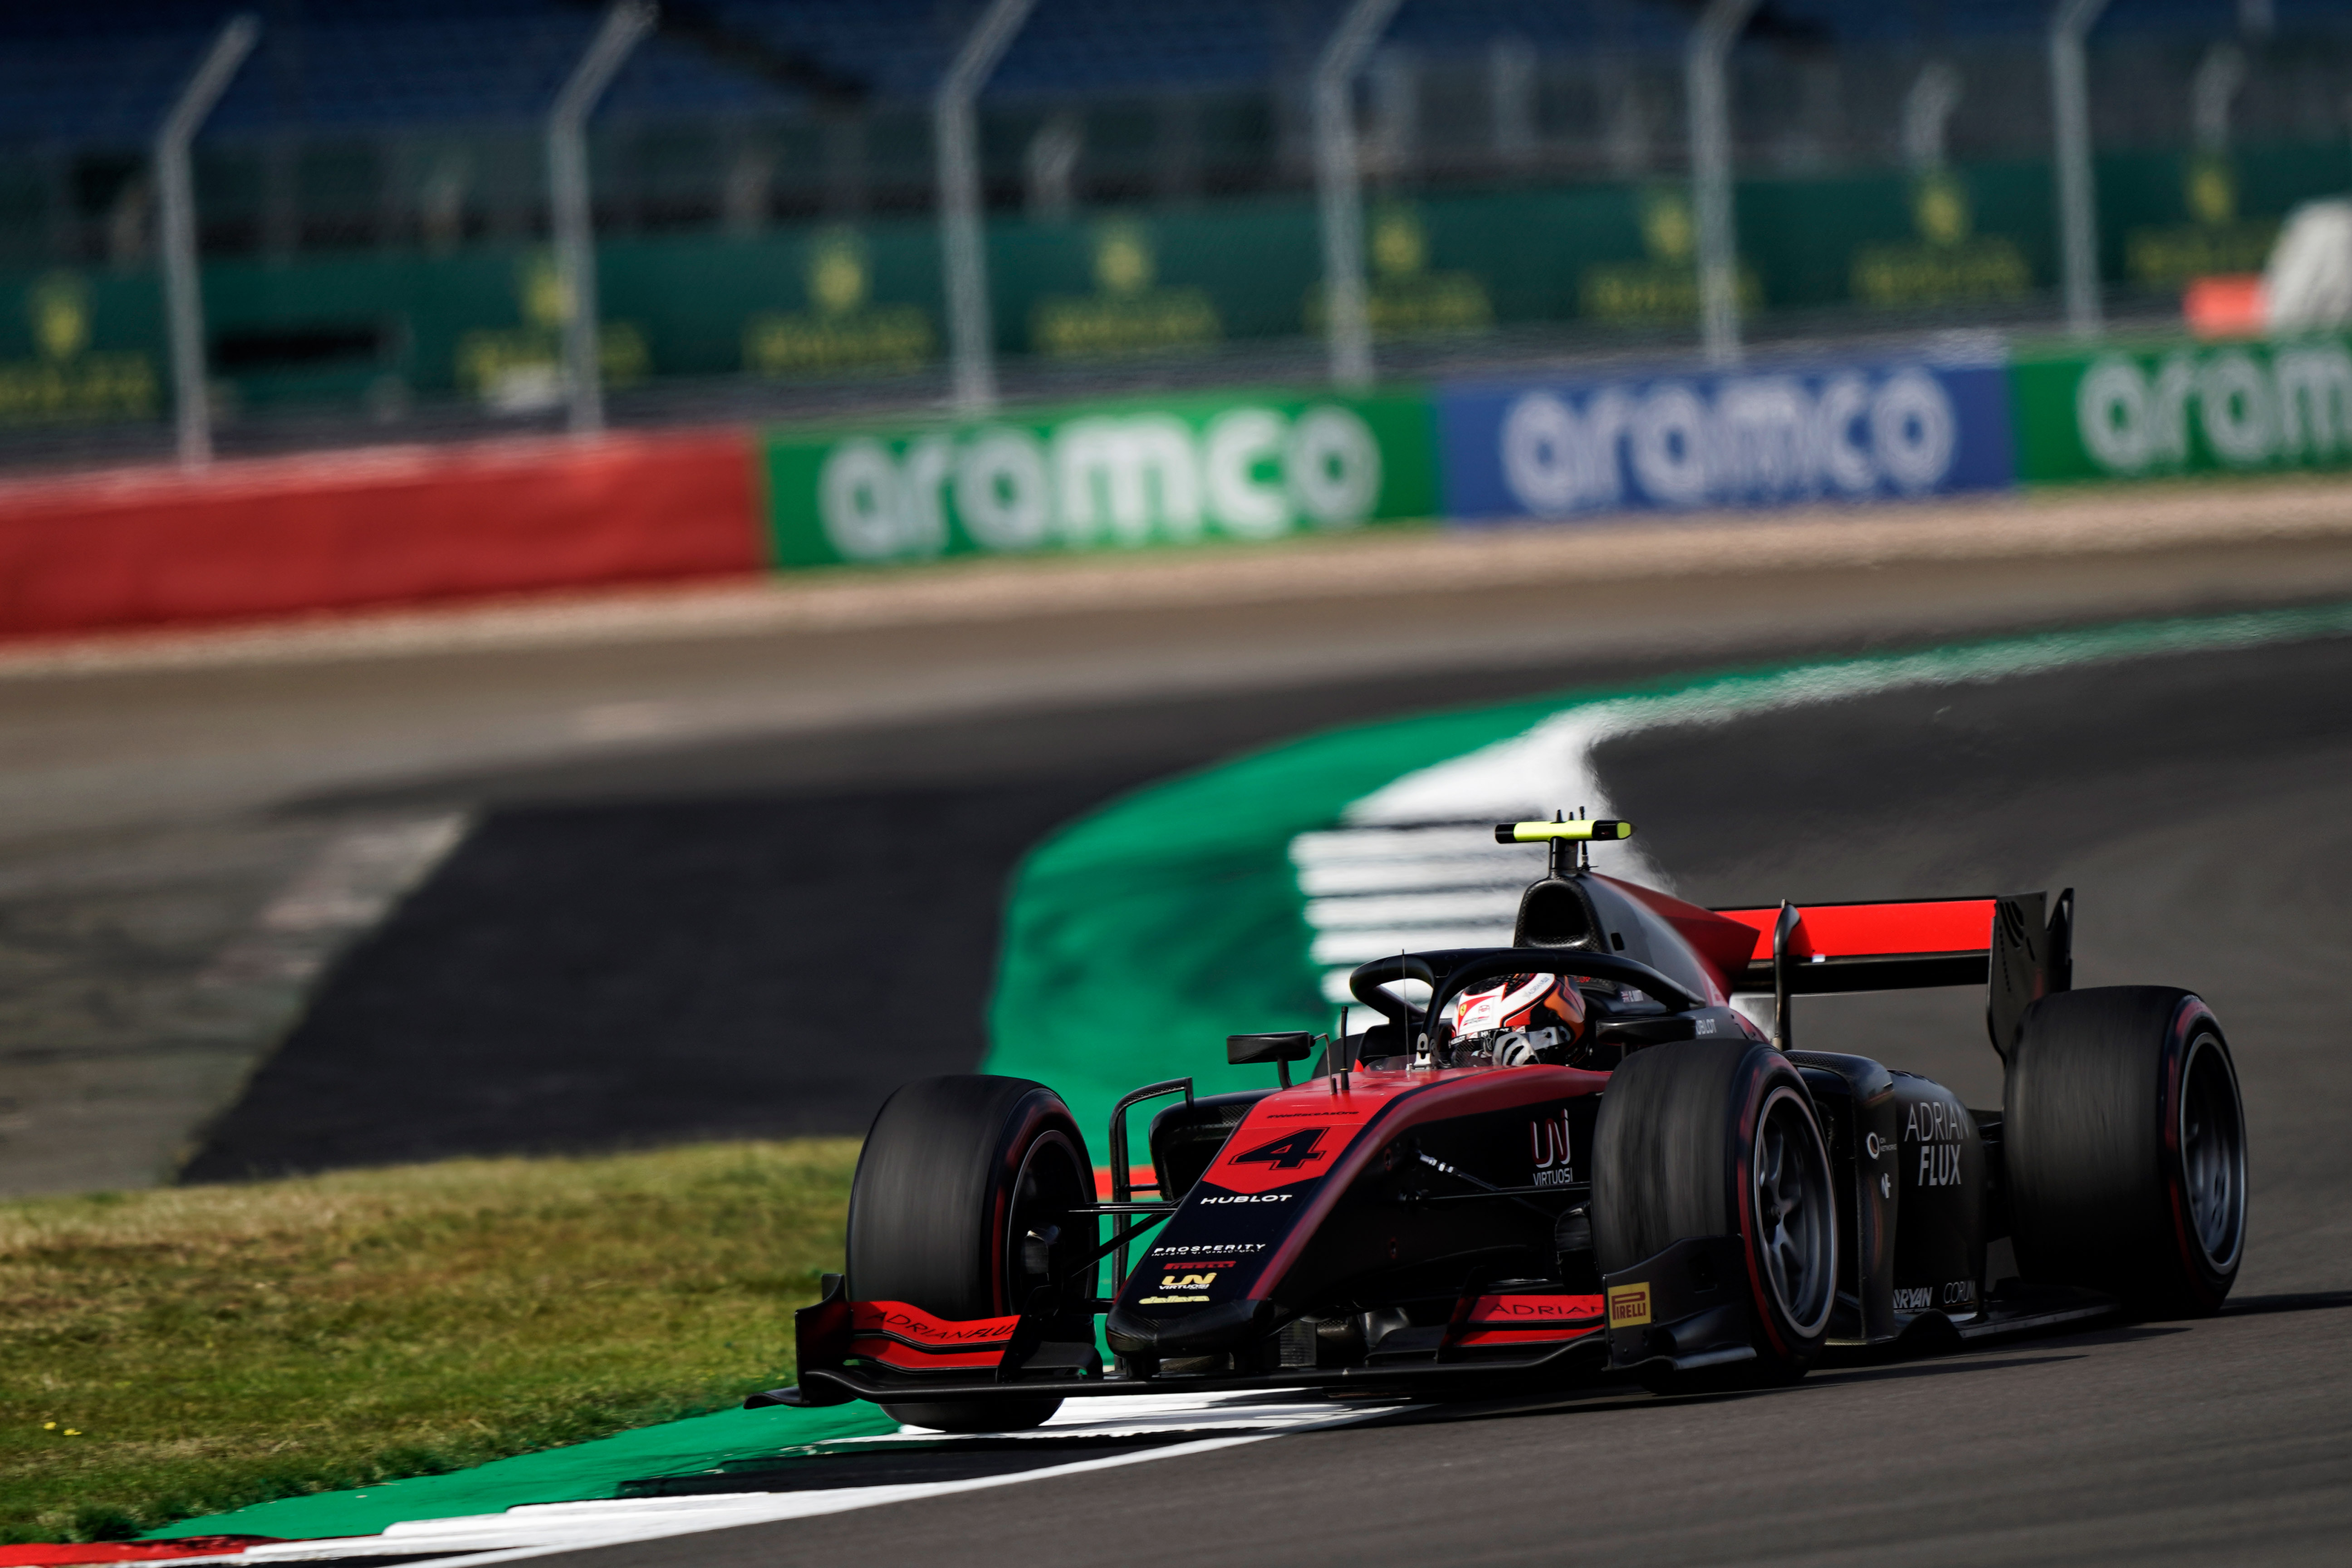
(1629, 1305)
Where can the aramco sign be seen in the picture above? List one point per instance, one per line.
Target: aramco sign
(1171, 473)
(1676, 442)
(2222, 407)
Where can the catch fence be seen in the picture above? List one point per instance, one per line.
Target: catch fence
(375, 235)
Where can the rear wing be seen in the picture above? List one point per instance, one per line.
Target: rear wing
(2020, 946)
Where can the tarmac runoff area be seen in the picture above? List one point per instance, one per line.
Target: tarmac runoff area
(2195, 799)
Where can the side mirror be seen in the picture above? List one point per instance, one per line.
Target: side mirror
(1282, 1049)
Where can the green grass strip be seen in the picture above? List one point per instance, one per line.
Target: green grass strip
(180, 1352)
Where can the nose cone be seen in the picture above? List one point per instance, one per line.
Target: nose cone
(1203, 1331)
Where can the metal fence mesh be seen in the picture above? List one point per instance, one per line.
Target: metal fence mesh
(1526, 198)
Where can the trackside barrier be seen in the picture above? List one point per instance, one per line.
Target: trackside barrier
(281, 537)
(2144, 410)
(1179, 470)
(285, 536)
(1570, 449)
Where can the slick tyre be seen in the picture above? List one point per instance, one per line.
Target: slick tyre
(1719, 1138)
(2125, 1143)
(961, 1206)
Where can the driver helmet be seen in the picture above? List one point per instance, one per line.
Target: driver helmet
(1522, 1002)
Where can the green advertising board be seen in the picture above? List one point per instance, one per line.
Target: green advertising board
(81, 349)
(822, 303)
(2133, 413)
(1253, 466)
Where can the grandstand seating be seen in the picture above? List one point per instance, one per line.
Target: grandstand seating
(104, 73)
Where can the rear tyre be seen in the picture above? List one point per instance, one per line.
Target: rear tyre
(961, 1206)
(1719, 1138)
(2125, 1143)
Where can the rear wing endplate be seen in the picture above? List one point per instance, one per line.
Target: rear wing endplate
(2019, 946)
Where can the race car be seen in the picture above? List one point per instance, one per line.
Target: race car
(1553, 1161)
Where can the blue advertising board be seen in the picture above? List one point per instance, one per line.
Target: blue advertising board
(1574, 448)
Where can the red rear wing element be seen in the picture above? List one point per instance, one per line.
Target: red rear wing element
(1873, 947)
(2019, 946)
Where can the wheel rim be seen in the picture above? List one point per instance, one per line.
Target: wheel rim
(1051, 1182)
(1796, 1227)
(2213, 1153)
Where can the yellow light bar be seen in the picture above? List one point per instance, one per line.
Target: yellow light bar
(1598, 829)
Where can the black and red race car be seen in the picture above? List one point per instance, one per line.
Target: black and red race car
(1553, 1160)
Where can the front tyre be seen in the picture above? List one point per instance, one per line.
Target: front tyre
(1719, 1138)
(961, 1205)
(2125, 1143)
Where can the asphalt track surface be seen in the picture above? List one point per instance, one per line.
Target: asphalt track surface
(761, 935)
(2197, 803)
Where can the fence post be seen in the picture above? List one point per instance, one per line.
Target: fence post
(1927, 111)
(2212, 88)
(1511, 65)
(183, 305)
(2078, 217)
(574, 225)
(1705, 64)
(955, 135)
(1339, 188)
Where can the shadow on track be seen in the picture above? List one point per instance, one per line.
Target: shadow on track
(2305, 1301)
(582, 978)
